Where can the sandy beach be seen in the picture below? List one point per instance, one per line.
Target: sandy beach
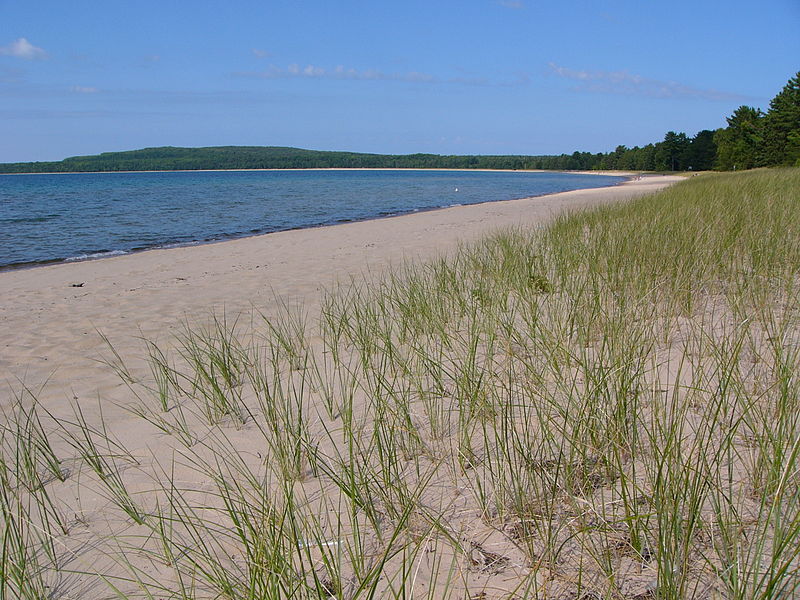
(50, 316)
(118, 455)
(458, 409)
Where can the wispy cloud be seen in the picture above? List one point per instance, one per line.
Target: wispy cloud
(297, 71)
(42, 113)
(515, 4)
(342, 73)
(623, 82)
(80, 89)
(22, 48)
(259, 53)
(120, 98)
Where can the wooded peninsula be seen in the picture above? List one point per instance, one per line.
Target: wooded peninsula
(752, 139)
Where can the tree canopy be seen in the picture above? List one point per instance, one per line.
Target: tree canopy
(782, 126)
(739, 145)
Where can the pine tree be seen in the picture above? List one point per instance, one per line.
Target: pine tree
(671, 151)
(782, 126)
(739, 146)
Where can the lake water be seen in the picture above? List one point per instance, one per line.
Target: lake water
(77, 216)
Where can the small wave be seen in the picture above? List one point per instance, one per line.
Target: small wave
(170, 245)
(103, 254)
(22, 220)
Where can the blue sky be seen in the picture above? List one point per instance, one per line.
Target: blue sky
(448, 77)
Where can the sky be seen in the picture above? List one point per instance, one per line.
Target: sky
(446, 76)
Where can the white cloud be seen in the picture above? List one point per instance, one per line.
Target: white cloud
(22, 48)
(80, 89)
(623, 82)
(259, 53)
(295, 70)
(312, 71)
(343, 73)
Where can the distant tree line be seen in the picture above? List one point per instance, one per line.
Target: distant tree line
(751, 139)
(263, 157)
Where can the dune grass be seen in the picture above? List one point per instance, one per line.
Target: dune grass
(608, 407)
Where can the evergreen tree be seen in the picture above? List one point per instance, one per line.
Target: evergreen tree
(701, 152)
(739, 145)
(671, 151)
(782, 126)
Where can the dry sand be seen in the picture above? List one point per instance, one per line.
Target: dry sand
(50, 316)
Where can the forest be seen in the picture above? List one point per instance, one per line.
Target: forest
(753, 138)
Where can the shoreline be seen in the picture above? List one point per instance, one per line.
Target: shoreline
(106, 254)
(52, 317)
(604, 172)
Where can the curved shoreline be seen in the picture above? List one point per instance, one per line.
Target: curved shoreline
(102, 254)
(50, 316)
(613, 173)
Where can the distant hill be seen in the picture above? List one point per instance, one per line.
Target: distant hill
(170, 158)
(752, 139)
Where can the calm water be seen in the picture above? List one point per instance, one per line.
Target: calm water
(49, 218)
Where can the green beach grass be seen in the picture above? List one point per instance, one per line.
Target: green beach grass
(608, 407)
